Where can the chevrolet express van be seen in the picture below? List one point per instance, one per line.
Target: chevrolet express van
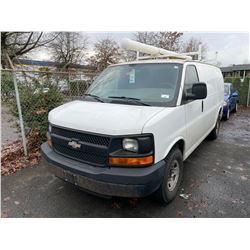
(130, 133)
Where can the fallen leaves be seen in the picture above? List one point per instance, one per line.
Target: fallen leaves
(133, 202)
(190, 205)
(40, 111)
(116, 205)
(179, 213)
(13, 158)
(5, 213)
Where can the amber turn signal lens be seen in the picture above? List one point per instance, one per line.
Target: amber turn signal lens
(120, 161)
(49, 139)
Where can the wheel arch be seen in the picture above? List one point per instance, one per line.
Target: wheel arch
(179, 143)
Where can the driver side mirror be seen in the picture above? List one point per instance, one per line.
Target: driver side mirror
(199, 91)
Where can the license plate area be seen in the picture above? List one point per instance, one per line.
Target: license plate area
(70, 177)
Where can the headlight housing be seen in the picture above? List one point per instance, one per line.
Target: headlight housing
(134, 151)
(130, 145)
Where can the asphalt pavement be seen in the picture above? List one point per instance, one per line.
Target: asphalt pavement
(216, 184)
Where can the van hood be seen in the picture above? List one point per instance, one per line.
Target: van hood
(103, 118)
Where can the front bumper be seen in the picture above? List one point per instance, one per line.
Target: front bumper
(109, 181)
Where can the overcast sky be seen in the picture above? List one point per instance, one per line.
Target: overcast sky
(232, 48)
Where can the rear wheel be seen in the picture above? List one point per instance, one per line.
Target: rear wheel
(215, 132)
(235, 108)
(227, 114)
(172, 177)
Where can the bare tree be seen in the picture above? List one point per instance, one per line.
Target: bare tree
(166, 40)
(192, 45)
(149, 38)
(106, 53)
(17, 44)
(127, 55)
(68, 48)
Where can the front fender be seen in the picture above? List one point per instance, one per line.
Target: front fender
(180, 138)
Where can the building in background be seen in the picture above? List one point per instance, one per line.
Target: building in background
(240, 70)
(28, 64)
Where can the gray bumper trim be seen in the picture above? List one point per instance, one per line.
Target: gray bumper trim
(124, 182)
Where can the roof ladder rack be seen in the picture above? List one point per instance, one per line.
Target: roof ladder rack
(154, 52)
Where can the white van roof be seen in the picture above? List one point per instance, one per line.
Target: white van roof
(155, 61)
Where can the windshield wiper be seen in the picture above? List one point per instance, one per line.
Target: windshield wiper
(95, 97)
(132, 99)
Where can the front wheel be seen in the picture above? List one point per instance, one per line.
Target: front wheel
(215, 132)
(172, 177)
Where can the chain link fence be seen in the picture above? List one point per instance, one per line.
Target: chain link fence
(38, 92)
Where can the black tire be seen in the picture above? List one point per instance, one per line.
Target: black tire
(165, 194)
(227, 115)
(215, 132)
(235, 108)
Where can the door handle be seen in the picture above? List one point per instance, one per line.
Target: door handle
(202, 106)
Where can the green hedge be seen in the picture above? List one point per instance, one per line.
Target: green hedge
(244, 91)
(7, 85)
(241, 87)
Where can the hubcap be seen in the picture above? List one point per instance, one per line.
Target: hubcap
(173, 175)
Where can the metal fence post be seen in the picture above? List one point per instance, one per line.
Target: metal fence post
(248, 93)
(18, 105)
(19, 113)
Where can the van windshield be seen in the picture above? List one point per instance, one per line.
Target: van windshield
(156, 84)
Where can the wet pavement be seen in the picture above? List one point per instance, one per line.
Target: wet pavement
(216, 181)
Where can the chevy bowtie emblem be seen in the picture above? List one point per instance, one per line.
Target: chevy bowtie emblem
(74, 144)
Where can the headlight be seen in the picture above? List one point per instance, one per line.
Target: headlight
(225, 103)
(130, 145)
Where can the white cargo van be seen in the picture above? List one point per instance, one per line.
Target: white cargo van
(137, 123)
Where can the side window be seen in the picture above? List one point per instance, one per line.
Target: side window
(231, 89)
(191, 77)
